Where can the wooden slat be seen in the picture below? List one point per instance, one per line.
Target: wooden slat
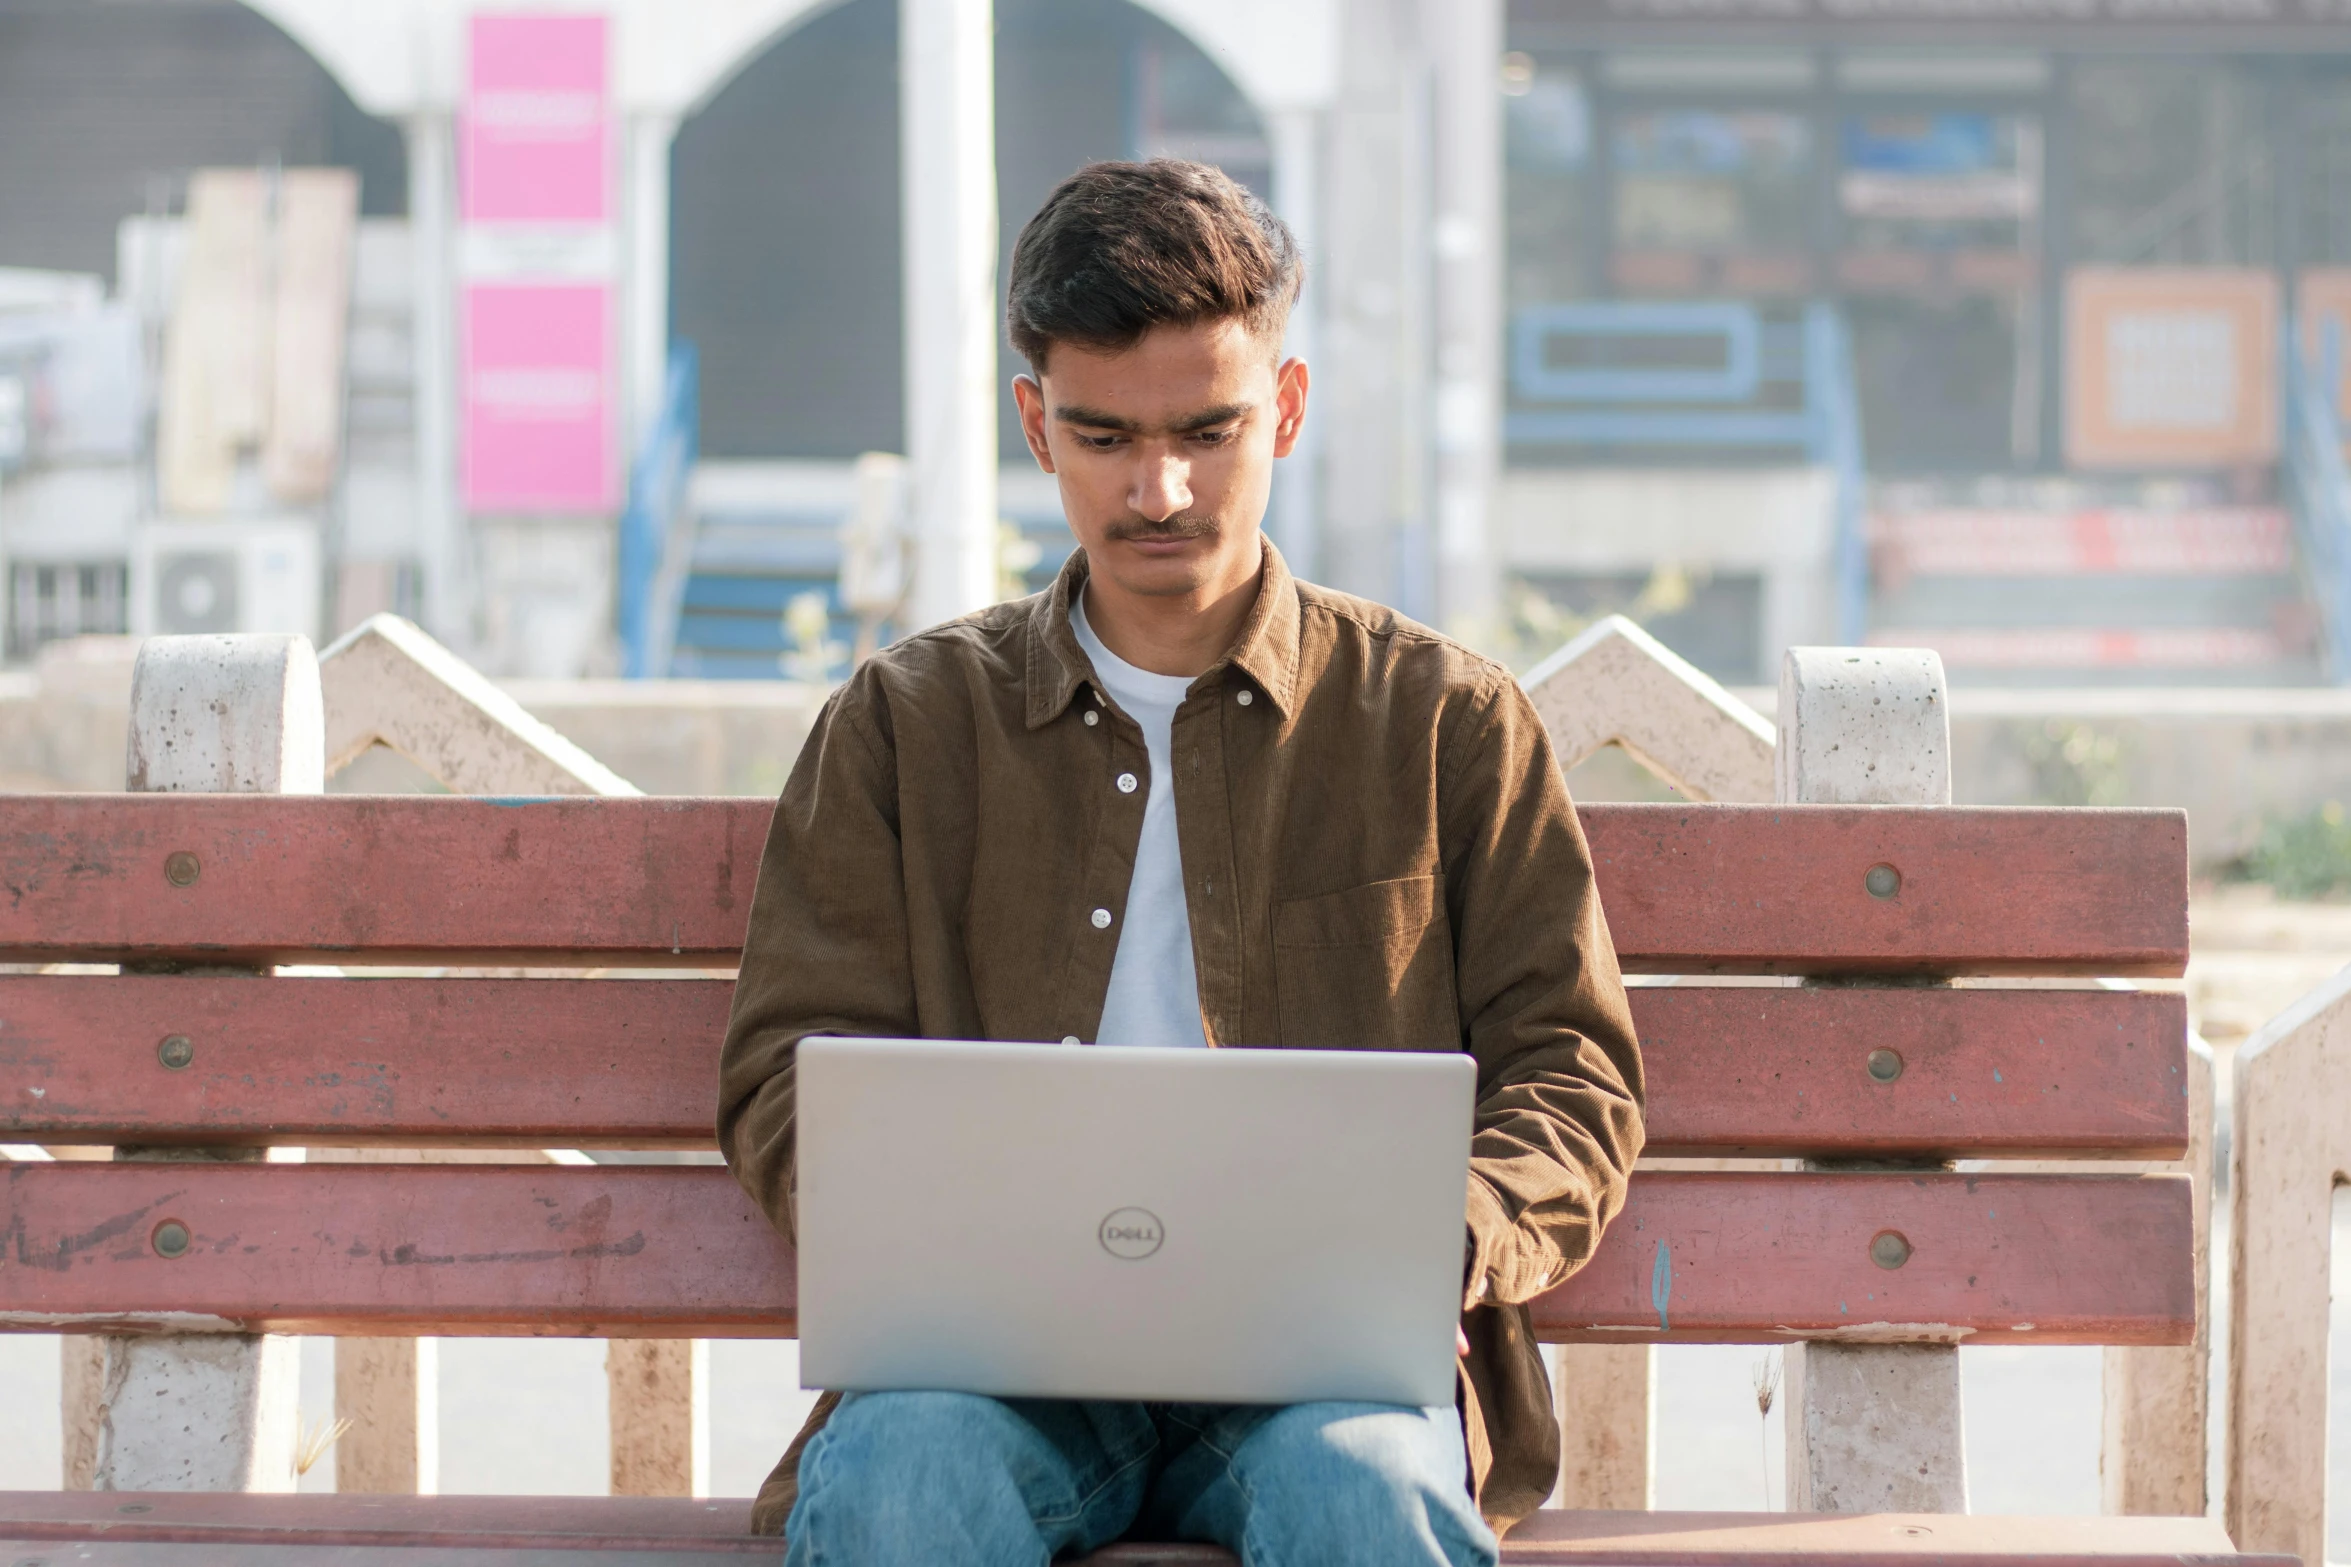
(390, 1526)
(407, 879)
(528, 1063)
(633, 1063)
(620, 1251)
(1984, 1073)
(401, 879)
(1781, 889)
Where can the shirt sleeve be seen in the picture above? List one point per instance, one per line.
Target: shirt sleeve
(1543, 1006)
(826, 951)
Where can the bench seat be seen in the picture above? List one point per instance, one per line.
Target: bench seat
(163, 1529)
(1878, 1065)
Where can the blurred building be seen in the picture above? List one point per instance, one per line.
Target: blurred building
(1997, 329)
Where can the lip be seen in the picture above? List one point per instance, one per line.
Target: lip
(1161, 547)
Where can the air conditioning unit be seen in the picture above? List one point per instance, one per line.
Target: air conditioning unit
(247, 575)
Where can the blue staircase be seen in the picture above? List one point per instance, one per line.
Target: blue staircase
(731, 570)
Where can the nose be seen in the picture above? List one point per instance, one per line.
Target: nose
(1162, 486)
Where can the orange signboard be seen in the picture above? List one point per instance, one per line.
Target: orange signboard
(2171, 368)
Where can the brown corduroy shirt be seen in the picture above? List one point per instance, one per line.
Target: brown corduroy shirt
(1378, 853)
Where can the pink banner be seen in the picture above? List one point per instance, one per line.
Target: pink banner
(538, 405)
(537, 127)
(537, 177)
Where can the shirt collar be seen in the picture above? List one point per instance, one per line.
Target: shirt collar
(1265, 650)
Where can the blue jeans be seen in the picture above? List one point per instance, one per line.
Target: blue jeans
(958, 1480)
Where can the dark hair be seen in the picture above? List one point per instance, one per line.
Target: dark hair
(1120, 248)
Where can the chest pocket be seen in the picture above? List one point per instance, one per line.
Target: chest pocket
(1369, 968)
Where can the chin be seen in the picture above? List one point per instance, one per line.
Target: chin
(1162, 578)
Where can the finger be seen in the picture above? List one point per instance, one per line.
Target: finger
(1460, 1340)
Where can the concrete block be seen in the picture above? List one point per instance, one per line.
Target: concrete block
(387, 683)
(1618, 685)
(660, 1411)
(226, 715)
(389, 1389)
(1874, 1428)
(1870, 1427)
(1874, 726)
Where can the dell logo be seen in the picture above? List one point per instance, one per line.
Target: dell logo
(1131, 1234)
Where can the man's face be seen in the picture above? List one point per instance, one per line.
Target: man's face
(1165, 451)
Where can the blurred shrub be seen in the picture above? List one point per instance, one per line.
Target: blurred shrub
(2307, 856)
(2074, 763)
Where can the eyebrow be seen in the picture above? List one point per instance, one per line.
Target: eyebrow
(1097, 419)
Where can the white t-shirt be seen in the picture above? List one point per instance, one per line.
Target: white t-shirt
(1154, 990)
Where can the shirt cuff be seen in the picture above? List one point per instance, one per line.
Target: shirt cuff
(1493, 1240)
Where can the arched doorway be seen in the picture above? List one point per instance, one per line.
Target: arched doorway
(784, 221)
(105, 108)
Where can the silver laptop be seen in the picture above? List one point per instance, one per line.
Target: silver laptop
(1226, 1226)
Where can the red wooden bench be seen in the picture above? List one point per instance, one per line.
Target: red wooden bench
(1770, 1257)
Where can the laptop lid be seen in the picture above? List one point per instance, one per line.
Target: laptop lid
(1227, 1226)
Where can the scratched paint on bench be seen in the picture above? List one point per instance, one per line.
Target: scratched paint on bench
(633, 1063)
(615, 1251)
(410, 879)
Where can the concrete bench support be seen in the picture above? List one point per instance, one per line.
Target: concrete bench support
(209, 1411)
(2291, 1150)
(388, 683)
(2152, 1450)
(1618, 685)
(1871, 1427)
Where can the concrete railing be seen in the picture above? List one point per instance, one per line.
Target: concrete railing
(240, 714)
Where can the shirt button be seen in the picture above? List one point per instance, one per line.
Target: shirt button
(1246, 697)
(1092, 718)
(1101, 919)
(1127, 783)
(1069, 1039)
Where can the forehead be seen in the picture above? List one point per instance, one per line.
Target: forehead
(1172, 371)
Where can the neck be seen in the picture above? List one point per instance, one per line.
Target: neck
(1175, 634)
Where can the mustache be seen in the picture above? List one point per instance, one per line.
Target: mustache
(1182, 525)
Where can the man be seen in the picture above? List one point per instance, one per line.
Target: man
(1184, 799)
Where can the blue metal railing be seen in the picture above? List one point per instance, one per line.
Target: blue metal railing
(2321, 487)
(1836, 445)
(657, 498)
(1717, 402)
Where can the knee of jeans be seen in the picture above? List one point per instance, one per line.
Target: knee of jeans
(902, 1445)
(1348, 1463)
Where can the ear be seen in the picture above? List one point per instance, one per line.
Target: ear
(1027, 392)
(1289, 405)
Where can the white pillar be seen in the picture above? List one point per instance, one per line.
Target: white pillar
(1464, 42)
(645, 335)
(1296, 522)
(1374, 329)
(432, 215)
(947, 190)
(211, 1411)
(1870, 1427)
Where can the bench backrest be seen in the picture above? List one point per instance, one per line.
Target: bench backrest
(1877, 1072)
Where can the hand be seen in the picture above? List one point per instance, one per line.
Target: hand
(1460, 1342)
